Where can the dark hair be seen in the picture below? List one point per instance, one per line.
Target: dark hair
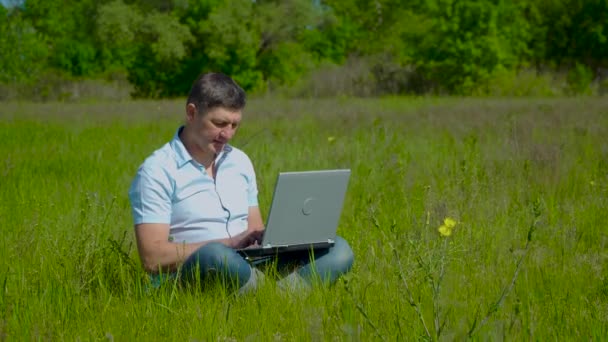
(213, 90)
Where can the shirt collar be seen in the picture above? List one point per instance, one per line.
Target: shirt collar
(182, 156)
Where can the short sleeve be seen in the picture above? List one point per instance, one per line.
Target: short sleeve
(252, 186)
(150, 196)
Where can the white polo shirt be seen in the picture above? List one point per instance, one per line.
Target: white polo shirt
(171, 187)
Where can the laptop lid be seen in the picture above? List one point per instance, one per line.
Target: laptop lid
(306, 207)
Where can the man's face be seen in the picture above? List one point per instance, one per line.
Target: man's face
(213, 129)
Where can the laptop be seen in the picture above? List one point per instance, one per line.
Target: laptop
(304, 214)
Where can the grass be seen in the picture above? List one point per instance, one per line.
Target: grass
(69, 268)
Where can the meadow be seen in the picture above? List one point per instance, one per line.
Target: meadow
(525, 180)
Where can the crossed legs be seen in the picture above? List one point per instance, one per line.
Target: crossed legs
(229, 267)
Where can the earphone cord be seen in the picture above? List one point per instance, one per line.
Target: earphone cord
(222, 203)
(226, 210)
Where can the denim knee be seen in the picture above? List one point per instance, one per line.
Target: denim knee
(342, 256)
(329, 264)
(218, 259)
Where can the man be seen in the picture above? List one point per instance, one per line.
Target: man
(194, 201)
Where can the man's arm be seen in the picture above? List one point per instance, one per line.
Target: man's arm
(158, 254)
(254, 219)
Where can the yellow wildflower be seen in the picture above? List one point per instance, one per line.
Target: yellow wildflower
(331, 139)
(449, 222)
(445, 231)
(448, 225)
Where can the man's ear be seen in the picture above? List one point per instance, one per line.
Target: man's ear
(191, 112)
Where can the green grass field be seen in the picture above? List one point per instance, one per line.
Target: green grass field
(526, 180)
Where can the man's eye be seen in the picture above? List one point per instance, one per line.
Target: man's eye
(220, 124)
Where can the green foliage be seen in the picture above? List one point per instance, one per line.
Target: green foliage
(232, 41)
(281, 56)
(511, 83)
(471, 40)
(285, 63)
(21, 49)
(166, 37)
(259, 42)
(162, 48)
(149, 46)
(579, 79)
(332, 40)
(378, 27)
(421, 46)
(575, 31)
(117, 30)
(68, 31)
(454, 45)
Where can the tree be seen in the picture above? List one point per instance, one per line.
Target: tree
(150, 46)
(256, 42)
(21, 48)
(470, 40)
(67, 30)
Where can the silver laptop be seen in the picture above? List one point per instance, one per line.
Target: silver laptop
(304, 214)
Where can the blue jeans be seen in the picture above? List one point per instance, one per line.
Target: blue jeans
(216, 260)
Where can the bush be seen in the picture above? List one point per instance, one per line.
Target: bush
(54, 86)
(354, 78)
(579, 80)
(362, 77)
(522, 83)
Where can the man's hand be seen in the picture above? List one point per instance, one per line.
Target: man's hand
(246, 239)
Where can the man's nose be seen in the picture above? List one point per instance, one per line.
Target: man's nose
(228, 133)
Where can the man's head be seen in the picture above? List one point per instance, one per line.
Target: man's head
(213, 115)
(214, 90)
